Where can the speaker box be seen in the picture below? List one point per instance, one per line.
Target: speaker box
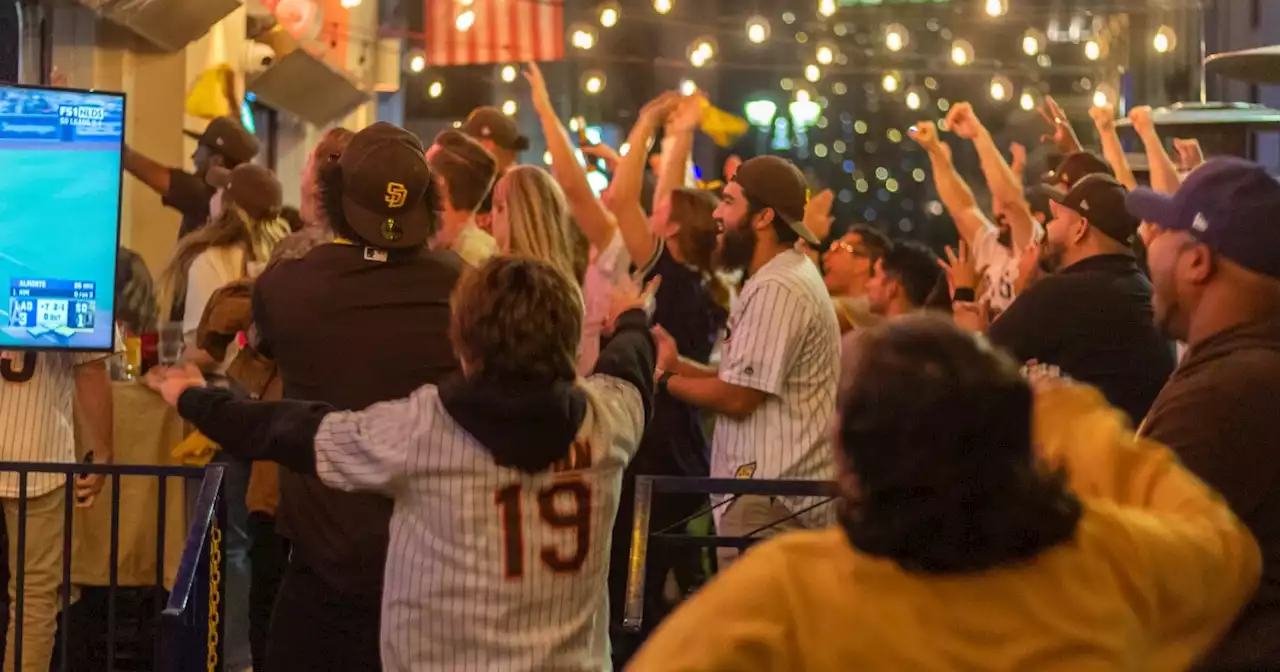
(168, 24)
(301, 84)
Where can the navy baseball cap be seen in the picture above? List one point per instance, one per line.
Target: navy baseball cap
(1229, 205)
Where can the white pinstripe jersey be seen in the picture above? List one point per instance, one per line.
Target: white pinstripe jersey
(783, 340)
(37, 414)
(489, 568)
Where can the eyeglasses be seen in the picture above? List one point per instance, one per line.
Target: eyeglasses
(855, 250)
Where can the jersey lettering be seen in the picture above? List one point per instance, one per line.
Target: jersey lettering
(564, 505)
(20, 374)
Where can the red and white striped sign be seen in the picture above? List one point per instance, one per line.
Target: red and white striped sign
(504, 31)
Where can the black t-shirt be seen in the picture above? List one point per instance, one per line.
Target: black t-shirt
(351, 332)
(1093, 320)
(674, 443)
(189, 195)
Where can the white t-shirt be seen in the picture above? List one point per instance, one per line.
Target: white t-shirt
(998, 266)
(210, 271)
(489, 568)
(474, 245)
(783, 340)
(608, 267)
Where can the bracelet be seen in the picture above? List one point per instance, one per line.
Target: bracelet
(663, 379)
(964, 294)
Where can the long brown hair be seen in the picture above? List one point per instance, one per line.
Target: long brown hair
(694, 211)
(233, 228)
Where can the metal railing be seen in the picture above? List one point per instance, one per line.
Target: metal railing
(642, 536)
(182, 643)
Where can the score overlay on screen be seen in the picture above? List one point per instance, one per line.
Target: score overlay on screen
(60, 162)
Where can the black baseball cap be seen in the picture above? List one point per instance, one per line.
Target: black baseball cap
(489, 123)
(776, 183)
(1228, 204)
(1100, 200)
(227, 137)
(385, 187)
(1075, 166)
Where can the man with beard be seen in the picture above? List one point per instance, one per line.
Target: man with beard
(1092, 318)
(1215, 264)
(774, 390)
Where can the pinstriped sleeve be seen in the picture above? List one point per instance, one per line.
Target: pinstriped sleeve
(765, 338)
(367, 450)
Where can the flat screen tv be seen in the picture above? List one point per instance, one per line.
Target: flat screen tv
(60, 181)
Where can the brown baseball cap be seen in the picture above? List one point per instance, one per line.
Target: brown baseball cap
(1075, 166)
(776, 183)
(250, 186)
(227, 137)
(489, 123)
(386, 187)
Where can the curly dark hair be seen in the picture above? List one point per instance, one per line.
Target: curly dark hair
(935, 426)
(517, 319)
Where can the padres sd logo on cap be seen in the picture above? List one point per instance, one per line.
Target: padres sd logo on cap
(396, 195)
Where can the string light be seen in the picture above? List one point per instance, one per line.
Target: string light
(802, 95)
(457, 124)
(573, 124)
(826, 7)
(350, 4)
(509, 108)
(435, 89)
(896, 37)
(1165, 40)
(787, 84)
(995, 8)
(1031, 41)
(931, 83)
(662, 6)
(508, 73)
(582, 36)
(609, 13)
(1027, 101)
(701, 52)
(465, 20)
(593, 81)
(1001, 88)
(812, 73)
(826, 53)
(757, 29)
(961, 52)
(1104, 95)
(1092, 50)
(688, 87)
(891, 81)
(914, 98)
(417, 62)
(839, 88)
(788, 18)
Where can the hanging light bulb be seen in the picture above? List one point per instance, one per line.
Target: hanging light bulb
(582, 36)
(914, 98)
(509, 108)
(812, 73)
(1027, 101)
(896, 37)
(435, 89)
(1165, 40)
(417, 61)
(610, 12)
(1104, 95)
(662, 6)
(1092, 50)
(826, 52)
(891, 81)
(350, 4)
(688, 87)
(826, 7)
(701, 52)
(464, 21)
(996, 7)
(1032, 41)
(593, 82)
(508, 73)
(961, 52)
(1001, 88)
(757, 29)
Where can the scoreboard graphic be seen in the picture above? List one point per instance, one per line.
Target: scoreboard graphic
(64, 307)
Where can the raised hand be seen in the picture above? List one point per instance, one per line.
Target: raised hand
(1142, 121)
(1063, 135)
(925, 134)
(1189, 153)
(972, 316)
(1019, 162)
(817, 214)
(1104, 117)
(687, 115)
(962, 121)
(656, 111)
(538, 89)
(959, 266)
(731, 166)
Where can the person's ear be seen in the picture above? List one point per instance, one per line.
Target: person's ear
(764, 219)
(1079, 229)
(1198, 265)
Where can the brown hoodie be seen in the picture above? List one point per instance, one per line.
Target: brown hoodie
(1220, 412)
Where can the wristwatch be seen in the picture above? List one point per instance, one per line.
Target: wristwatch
(663, 378)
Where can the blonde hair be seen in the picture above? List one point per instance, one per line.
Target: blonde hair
(538, 218)
(233, 228)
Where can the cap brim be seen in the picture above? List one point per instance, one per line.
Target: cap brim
(1055, 194)
(520, 145)
(801, 230)
(192, 134)
(414, 224)
(1151, 206)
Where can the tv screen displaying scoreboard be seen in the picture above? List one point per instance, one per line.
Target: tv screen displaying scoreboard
(60, 180)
